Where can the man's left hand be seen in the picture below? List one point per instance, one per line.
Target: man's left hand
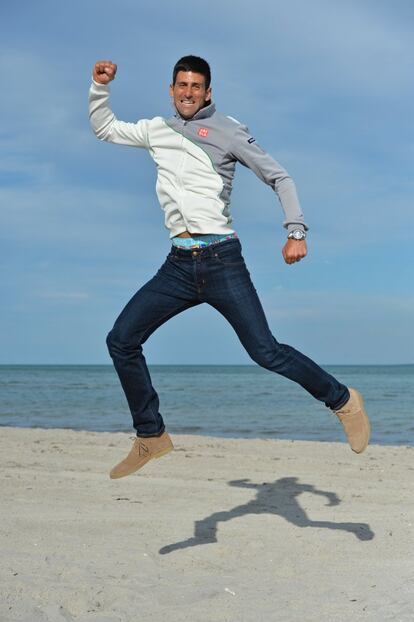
(294, 250)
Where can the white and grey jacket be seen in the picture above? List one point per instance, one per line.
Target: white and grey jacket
(196, 161)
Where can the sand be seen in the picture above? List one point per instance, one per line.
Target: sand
(219, 530)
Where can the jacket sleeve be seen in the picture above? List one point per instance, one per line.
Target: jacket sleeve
(246, 151)
(107, 127)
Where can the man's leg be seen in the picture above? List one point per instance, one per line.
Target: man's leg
(163, 297)
(232, 293)
(168, 293)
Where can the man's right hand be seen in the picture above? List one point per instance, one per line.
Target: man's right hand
(104, 71)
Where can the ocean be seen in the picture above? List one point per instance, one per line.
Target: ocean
(215, 400)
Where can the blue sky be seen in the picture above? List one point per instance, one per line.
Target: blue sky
(325, 86)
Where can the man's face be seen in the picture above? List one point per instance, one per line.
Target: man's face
(189, 93)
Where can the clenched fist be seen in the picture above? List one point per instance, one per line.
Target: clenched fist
(294, 250)
(104, 71)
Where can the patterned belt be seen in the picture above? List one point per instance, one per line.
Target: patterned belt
(203, 240)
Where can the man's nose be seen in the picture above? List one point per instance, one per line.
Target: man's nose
(188, 93)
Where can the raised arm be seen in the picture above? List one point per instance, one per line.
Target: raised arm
(103, 121)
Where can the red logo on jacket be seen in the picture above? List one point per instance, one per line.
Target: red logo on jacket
(203, 131)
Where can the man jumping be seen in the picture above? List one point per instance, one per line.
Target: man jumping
(196, 151)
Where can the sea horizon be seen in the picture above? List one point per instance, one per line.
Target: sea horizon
(199, 365)
(230, 400)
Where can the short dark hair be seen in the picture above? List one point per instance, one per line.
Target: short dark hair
(193, 63)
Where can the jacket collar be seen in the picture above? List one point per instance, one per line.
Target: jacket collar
(203, 113)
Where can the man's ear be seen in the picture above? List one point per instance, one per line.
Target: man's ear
(207, 96)
(171, 90)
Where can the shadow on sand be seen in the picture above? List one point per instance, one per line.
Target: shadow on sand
(279, 498)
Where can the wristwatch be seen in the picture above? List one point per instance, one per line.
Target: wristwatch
(297, 234)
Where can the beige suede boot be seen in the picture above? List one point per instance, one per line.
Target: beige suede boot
(355, 421)
(143, 450)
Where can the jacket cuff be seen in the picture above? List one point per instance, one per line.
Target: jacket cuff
(104, 87)
(293, 226)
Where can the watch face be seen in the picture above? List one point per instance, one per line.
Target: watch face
(298, 235)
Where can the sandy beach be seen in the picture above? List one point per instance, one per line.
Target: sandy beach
(219, 530)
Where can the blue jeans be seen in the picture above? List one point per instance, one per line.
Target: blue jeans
(218, 276)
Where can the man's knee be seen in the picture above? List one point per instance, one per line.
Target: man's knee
(273, 356)
(110, 341)
(121, 344)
